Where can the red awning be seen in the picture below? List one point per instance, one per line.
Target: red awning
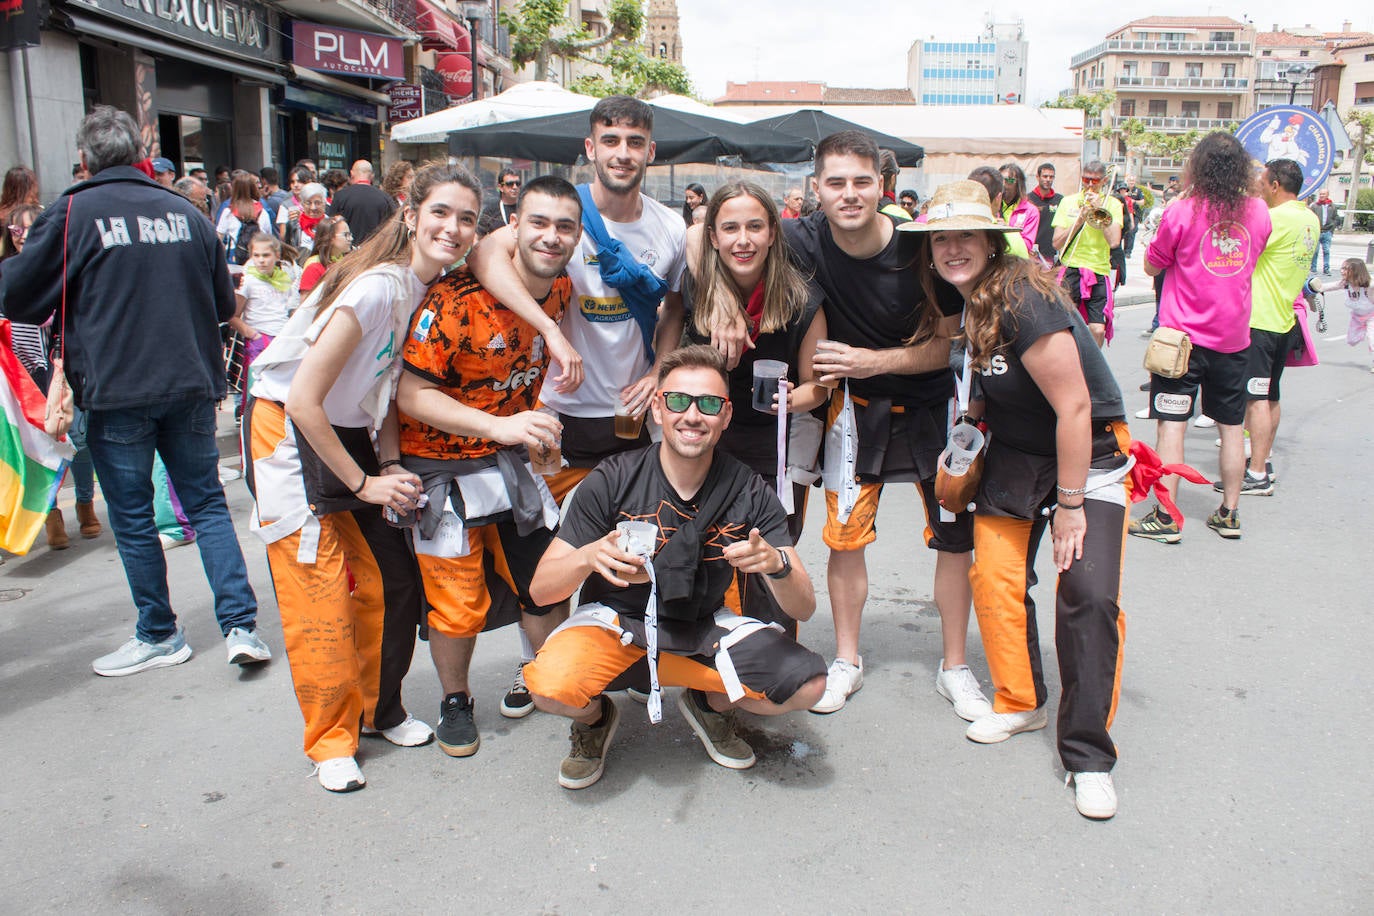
(438, 30)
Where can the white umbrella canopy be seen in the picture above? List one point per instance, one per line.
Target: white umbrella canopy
(523, 100)
(692, 106)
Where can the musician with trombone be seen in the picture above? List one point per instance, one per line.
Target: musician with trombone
(1087, 226)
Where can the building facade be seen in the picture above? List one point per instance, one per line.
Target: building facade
(1296, 53)
(1173, 74)
(988, 71)
(244, 84)
(662, 32)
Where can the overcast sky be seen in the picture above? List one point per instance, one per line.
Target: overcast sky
(833, 42)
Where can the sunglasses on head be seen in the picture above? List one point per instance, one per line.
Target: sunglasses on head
(678, 401)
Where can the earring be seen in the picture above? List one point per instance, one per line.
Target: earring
(992, 255)
(932, 265)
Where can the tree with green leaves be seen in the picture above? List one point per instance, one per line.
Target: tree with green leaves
(541, 30)
(1358, 125)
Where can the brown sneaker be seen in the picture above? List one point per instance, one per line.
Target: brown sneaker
(587, 759)
(57, 531)
(716, 731)
(90, 525)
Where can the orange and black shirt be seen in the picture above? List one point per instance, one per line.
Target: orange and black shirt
(479, 353)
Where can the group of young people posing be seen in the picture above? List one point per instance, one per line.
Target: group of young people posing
(416, 428)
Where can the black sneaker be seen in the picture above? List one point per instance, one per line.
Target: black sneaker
(456, 731)
(1252, 486)
(517, 703)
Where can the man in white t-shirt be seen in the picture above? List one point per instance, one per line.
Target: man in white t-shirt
(619, 367)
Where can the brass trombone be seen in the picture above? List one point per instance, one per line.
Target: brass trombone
(1094, 213)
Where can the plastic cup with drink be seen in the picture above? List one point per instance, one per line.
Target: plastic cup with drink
(767, 374)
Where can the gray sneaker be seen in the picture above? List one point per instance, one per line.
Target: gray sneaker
(716, 731)
(587, 759)
(136, 655)
(245, 647)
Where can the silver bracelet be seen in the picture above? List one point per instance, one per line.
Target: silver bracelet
(1077, 491)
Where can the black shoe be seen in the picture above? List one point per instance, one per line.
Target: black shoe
(517, 702)
(456, 731)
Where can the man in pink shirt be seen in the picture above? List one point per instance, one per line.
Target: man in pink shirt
(1208, 242)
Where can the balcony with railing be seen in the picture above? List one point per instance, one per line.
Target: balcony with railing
(1184, 83)
(1181, 124)
(1121, 45)
(1094, 83)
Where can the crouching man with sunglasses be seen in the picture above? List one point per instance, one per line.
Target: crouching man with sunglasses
(654, 538)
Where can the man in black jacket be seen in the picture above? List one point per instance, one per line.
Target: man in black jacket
(363, 205)
(144, 291)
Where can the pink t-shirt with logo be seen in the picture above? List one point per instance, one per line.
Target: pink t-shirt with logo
(1209, 265)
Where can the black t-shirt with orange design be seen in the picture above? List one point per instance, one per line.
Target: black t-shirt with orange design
(479, 353)
(631, 486)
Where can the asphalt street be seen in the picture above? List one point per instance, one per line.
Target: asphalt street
(185, 789)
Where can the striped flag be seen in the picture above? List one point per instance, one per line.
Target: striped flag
(31, 462)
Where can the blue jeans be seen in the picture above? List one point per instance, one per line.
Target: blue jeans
(1324, 249)
(182, 431)
(83, 472)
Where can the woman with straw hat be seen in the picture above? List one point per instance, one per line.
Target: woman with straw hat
(1057, 458)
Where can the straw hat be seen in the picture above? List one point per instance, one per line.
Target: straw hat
(959, 205)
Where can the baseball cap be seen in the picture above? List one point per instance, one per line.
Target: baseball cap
(163, 165)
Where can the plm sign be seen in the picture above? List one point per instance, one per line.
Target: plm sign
(334, 50)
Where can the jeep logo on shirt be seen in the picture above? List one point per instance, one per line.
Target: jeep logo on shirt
(518, 379)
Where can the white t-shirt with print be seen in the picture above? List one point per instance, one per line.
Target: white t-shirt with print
(371, 298)
(265, 307)
(599, 325)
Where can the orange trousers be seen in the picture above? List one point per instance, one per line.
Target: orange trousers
(1090, 628)
(348, 649)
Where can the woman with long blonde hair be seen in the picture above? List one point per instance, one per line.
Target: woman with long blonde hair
(737, 261)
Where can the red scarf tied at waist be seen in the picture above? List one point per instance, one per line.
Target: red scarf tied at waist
(1148, 474)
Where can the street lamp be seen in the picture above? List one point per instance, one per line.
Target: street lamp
(1295, 74)
(475, 13)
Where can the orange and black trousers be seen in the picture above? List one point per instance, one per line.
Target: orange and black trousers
(349, 619)
(1089, 629)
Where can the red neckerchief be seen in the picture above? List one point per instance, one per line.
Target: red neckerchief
(1037, 192)
(308, 224)
(754, 309)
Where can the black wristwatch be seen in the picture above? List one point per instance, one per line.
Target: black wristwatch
(786, 566)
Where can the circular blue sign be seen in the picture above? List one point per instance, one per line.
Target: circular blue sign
(1291, 132)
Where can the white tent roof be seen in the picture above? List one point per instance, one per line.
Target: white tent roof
(523, 100)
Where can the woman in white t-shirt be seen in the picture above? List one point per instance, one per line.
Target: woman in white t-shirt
(266, 297)
(320, 394)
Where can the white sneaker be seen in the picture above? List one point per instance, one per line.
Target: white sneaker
(1143, 413)
(959, 685)
(340, 774)
(842, 680)
(999, 726)
(1202, 421)
(410, 733)
(1094, 794)
(245, 647)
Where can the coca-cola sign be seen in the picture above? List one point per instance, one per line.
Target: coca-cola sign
(456, 71)
(334, 50)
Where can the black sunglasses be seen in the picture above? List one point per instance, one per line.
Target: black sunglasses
(678, 401)
(510, 184)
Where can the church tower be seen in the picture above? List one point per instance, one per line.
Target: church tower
(662, 37)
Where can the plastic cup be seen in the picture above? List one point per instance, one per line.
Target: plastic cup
(638, 538)
(627, 426)
(767, 372)
(547, 460)
(824, 345)
(965, 442)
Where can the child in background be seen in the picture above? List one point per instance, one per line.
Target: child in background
(1355, 281)
(268, 295)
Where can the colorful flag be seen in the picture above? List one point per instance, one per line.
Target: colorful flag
(31, 462)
